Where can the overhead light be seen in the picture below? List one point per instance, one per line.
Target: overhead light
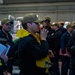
(1, 1)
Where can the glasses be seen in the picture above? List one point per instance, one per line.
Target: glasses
(47, 20)
(37, 23)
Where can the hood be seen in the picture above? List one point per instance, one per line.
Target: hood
(21, 33)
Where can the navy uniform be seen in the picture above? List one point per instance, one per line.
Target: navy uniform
(6, 38)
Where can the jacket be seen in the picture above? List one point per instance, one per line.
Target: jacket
(7, 39)
(4, 40)
(57, 38)
(64, 41)
(50, 38)
(30, 51)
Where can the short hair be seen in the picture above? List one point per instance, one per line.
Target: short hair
(56, 24)
(68, 26)
(24, 25)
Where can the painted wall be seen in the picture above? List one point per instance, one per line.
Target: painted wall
(54, 16)
(56, 11)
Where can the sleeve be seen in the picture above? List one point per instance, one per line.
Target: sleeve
(63, 47)
(40, 50)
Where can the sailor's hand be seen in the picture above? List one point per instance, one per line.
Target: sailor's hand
(4, 56)
(50, 53)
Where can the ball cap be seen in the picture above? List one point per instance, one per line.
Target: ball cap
(5, 20)
(47, 18)
(30, 18)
